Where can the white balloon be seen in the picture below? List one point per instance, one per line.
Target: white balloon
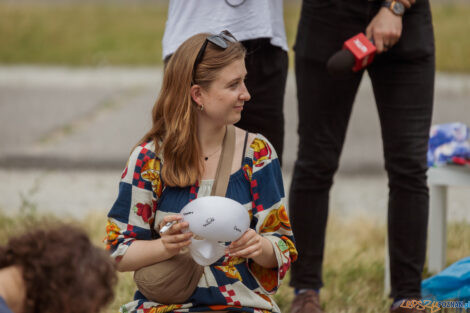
(214, 221)
(216, 218)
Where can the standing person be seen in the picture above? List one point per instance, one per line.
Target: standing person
(203, 93)
(402, 76)
(259, 25)
(56, 269)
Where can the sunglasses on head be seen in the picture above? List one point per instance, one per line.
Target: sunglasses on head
(220, 40)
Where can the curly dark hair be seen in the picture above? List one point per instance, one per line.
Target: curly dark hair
(63, 271)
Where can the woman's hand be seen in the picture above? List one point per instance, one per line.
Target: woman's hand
(174, 239)
(385, 28)
(146, 252)
(247, 246)
(254, 246)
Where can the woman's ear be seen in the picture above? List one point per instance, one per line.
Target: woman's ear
(196, 94)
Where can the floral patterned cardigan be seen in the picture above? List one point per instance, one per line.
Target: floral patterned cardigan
(231, 283)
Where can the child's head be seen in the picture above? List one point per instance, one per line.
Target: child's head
(62, 270)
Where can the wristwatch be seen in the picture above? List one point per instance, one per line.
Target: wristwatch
(396, 7)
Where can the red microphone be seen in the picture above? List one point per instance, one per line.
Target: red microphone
(358, 52)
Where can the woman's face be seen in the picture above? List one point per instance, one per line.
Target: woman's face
(224, 99)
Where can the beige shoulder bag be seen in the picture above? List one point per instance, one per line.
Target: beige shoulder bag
(174, 280)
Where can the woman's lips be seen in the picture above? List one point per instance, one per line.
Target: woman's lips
(239, 107)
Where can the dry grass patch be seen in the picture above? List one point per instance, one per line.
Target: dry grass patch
(353, 269)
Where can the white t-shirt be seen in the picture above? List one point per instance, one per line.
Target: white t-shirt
(252, 19)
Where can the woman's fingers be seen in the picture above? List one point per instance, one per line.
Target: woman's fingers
(248, 252)
(176, 227)
(176, 242)
(245, 245)
(177, 238)
(171, 218)
(240, 247)
(178, 245)
(406, 3)
(247, 236)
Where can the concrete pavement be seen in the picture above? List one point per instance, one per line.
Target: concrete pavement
(66, 134)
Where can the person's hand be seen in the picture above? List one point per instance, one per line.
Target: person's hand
(385, 28)
(249, 245)
(407, 3)
(174, 239)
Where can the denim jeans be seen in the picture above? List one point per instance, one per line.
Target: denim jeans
(403, 85)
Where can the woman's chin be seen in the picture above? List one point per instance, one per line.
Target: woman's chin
(236, 119)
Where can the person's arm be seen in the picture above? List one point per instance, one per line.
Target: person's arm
(146, 252)
(129, 234)
(142, 253)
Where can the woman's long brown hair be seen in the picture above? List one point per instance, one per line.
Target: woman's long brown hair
(174, 119)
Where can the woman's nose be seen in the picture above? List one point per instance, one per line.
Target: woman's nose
(245, 95)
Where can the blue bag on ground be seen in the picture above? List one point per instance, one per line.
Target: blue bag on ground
(451, 283)
(448, 141)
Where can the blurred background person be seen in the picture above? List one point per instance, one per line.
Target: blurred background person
(402, 76)
(54, 269)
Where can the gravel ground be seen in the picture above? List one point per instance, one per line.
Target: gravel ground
(66, 134)
(79, 193)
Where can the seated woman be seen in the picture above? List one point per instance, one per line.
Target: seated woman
(203, 91)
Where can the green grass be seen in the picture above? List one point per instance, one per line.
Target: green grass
(127, 33)
(452, 32)
(81, 34)
(291, 20)
(353, 268)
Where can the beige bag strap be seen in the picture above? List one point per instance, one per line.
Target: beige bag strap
(224, 166)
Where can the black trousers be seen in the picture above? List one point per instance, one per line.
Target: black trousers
(266, 81)
(403, 83)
